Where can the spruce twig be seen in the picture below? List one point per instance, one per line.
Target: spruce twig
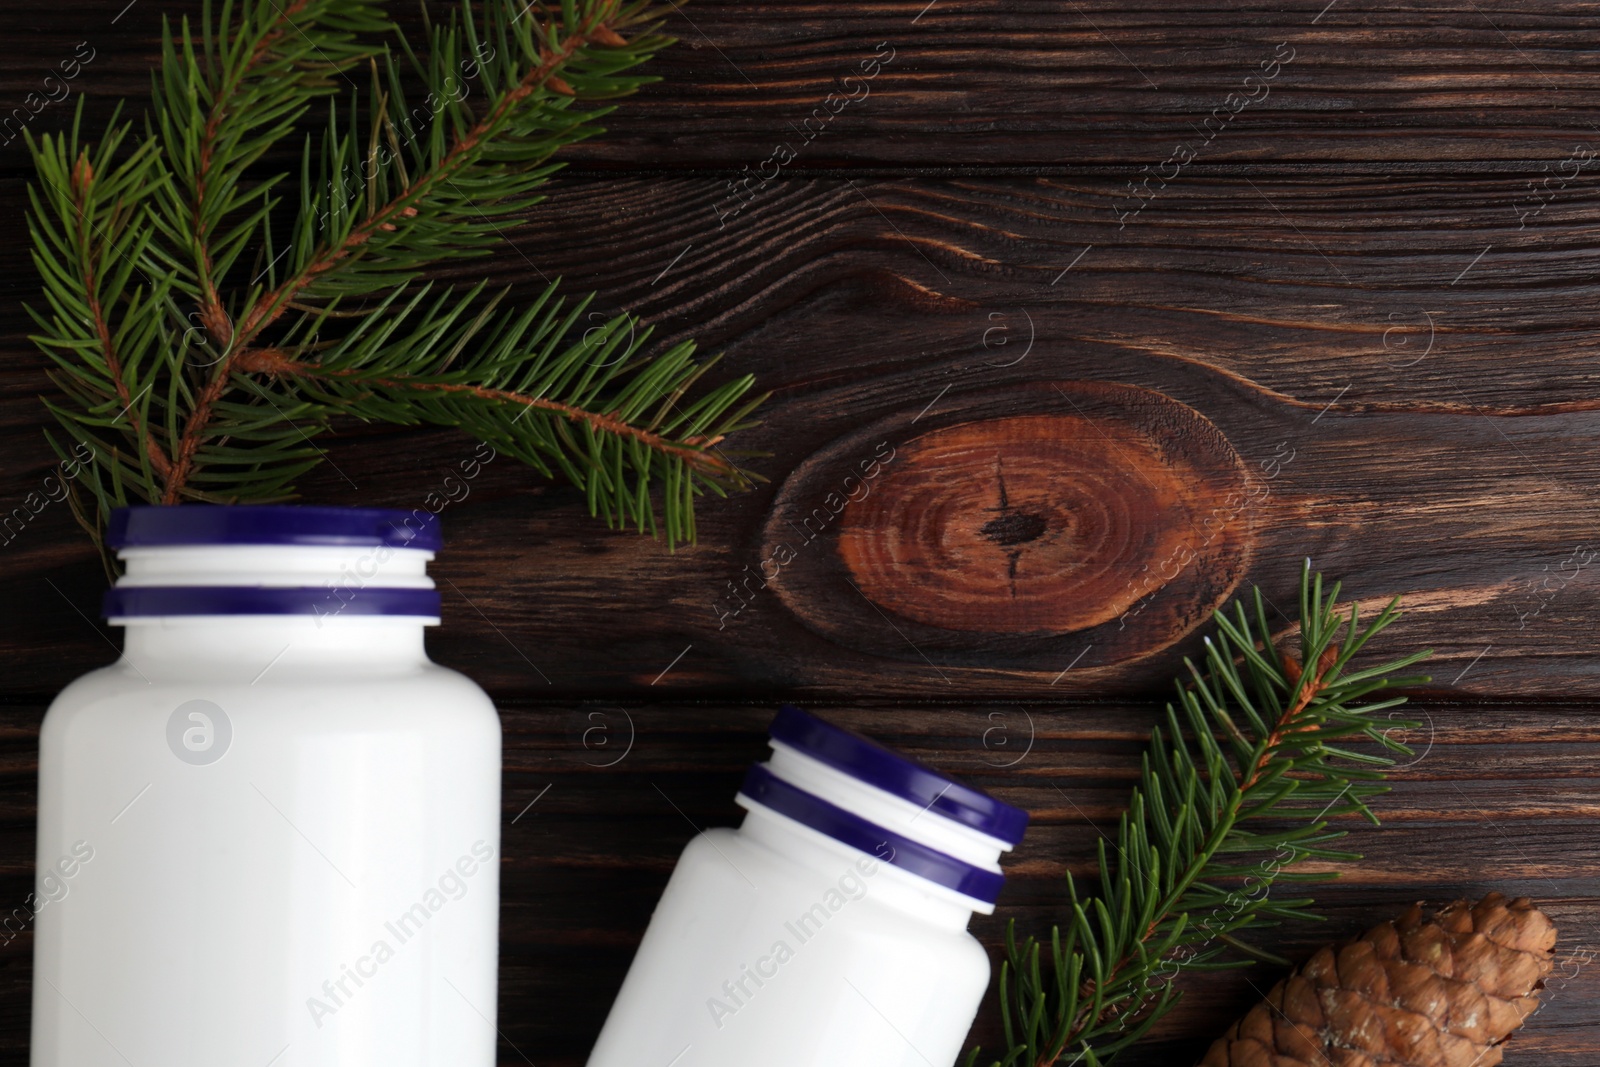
(1237, 786)
(206, 318)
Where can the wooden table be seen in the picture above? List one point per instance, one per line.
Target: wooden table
(1339, 253)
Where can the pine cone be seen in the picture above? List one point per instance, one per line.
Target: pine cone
(1440, 992)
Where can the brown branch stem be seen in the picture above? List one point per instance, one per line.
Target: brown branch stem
(82, 178)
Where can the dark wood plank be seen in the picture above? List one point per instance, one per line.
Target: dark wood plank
(997, 83)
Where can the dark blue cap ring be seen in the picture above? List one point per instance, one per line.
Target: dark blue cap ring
(763, 787)
(867, 761)
(134, 601)
(265, 524)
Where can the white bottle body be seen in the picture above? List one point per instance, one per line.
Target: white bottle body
(731, 973)
(324, 893)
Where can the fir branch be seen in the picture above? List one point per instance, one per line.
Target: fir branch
(1239, 782)
(201, 340)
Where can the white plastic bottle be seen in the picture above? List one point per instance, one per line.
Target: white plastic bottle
(269, 833)
(830, 928)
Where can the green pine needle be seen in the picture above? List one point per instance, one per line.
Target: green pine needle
(1238, 785)
(206, 317)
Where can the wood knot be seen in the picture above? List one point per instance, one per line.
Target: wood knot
(1011, 527)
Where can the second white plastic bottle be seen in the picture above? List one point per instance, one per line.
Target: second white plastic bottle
(830, 928)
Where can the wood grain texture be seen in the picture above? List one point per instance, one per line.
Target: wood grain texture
(999, 83)
(1329, 266)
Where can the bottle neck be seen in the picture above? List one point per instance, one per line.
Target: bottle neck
(323, 616)
(266, 648)
(852, 874)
